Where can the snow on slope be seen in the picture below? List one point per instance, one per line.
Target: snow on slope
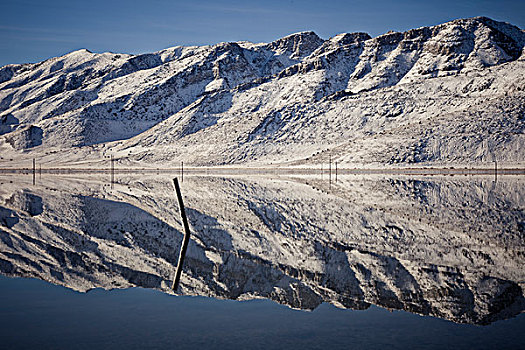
(452, 248)
(84, 98)
(477, 116)
(448, 93)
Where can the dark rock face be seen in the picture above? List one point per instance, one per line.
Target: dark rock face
(7, 72)
(26, 202)
(25, 138)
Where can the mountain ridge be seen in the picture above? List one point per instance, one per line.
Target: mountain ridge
(114, 103)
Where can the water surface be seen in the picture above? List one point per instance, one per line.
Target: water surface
(317, 263)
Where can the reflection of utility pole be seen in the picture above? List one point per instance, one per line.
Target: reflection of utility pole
(330, 168)
(34, 170)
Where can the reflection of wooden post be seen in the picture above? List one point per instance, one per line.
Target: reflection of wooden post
(34, 170)
(185, 240)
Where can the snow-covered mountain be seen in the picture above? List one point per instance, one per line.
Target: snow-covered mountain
(452, 93)
(448, 247)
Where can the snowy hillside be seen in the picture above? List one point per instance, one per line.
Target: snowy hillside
(452, 93)
(450, 247)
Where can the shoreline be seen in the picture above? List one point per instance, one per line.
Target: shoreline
(271, 170)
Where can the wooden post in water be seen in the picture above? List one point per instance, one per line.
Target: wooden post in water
(336, 171)
(185, 240)
(181, 172)
(495, 171)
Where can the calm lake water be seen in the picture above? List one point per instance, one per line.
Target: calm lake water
(273, 262)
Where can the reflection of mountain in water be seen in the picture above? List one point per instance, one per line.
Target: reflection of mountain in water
(448, 248)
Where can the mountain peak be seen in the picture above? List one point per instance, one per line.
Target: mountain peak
(299, 44)
(350, 38)
(79, 52)
(305, 33)
(340, 40)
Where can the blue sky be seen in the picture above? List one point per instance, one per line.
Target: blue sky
(32, 30)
